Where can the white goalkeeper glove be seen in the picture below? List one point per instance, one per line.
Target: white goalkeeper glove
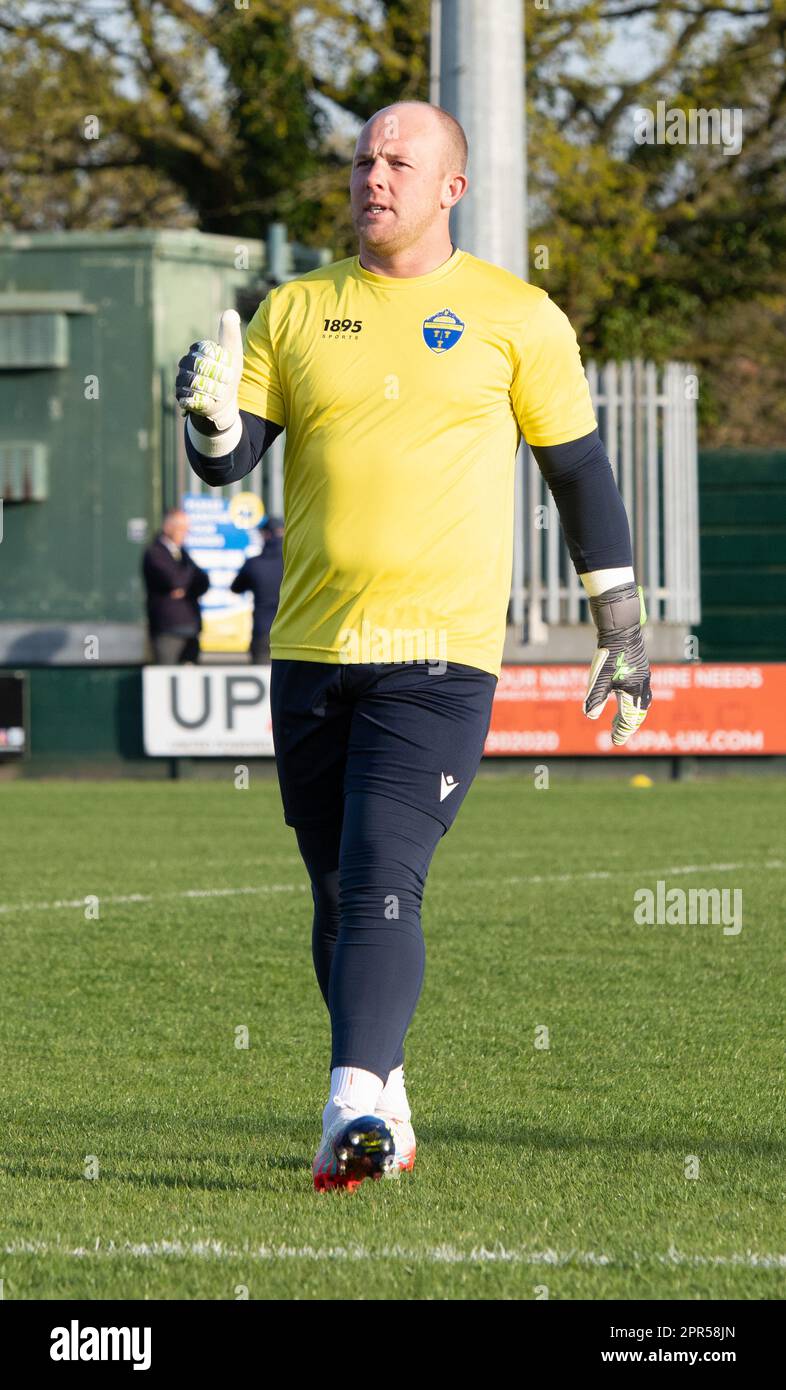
(207, 384)
(620, 666)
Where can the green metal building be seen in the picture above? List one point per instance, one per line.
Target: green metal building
(91, 441)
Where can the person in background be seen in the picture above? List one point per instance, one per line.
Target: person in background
(262, 574)
(174, 583)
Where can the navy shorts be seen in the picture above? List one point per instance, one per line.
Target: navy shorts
(412, 731)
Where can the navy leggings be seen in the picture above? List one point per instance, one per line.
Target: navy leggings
(382, 855)
(373, 763)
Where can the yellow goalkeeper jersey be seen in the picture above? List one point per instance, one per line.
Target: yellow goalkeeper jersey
(404, 401)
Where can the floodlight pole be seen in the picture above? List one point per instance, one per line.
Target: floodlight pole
(477, 74)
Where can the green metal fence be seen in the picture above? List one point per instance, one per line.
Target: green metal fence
(742, 518)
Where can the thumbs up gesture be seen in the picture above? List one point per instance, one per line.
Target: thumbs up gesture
(209, 375)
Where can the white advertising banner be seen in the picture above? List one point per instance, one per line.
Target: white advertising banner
(207, 711)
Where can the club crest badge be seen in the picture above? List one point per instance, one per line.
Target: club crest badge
(442, 331)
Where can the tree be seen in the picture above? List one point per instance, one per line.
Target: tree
(225, 118)
(211, 103)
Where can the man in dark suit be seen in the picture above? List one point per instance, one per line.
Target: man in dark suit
(262, 575)
(174, 583)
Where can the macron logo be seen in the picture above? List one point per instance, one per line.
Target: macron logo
(447, 785)
(77, 1343)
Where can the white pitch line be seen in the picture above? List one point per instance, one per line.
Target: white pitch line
(674, 870)
(57, 903)
(154, 897)
(438, 1254)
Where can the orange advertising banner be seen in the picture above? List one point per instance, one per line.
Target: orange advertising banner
(697, 708)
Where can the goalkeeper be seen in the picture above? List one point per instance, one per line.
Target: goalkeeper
(405, 377)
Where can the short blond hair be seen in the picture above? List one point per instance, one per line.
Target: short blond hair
(456, 146)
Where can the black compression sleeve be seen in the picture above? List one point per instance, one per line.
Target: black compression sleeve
(590, 508)
(257, 436)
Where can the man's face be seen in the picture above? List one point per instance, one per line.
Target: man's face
(398, 164)
(176, 527)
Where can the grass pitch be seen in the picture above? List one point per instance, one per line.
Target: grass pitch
(558, 1168)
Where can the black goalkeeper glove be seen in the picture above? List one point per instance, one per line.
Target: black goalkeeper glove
(620, 665)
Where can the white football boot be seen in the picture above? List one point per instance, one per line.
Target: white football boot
(354, 1148)
(404, 1136)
